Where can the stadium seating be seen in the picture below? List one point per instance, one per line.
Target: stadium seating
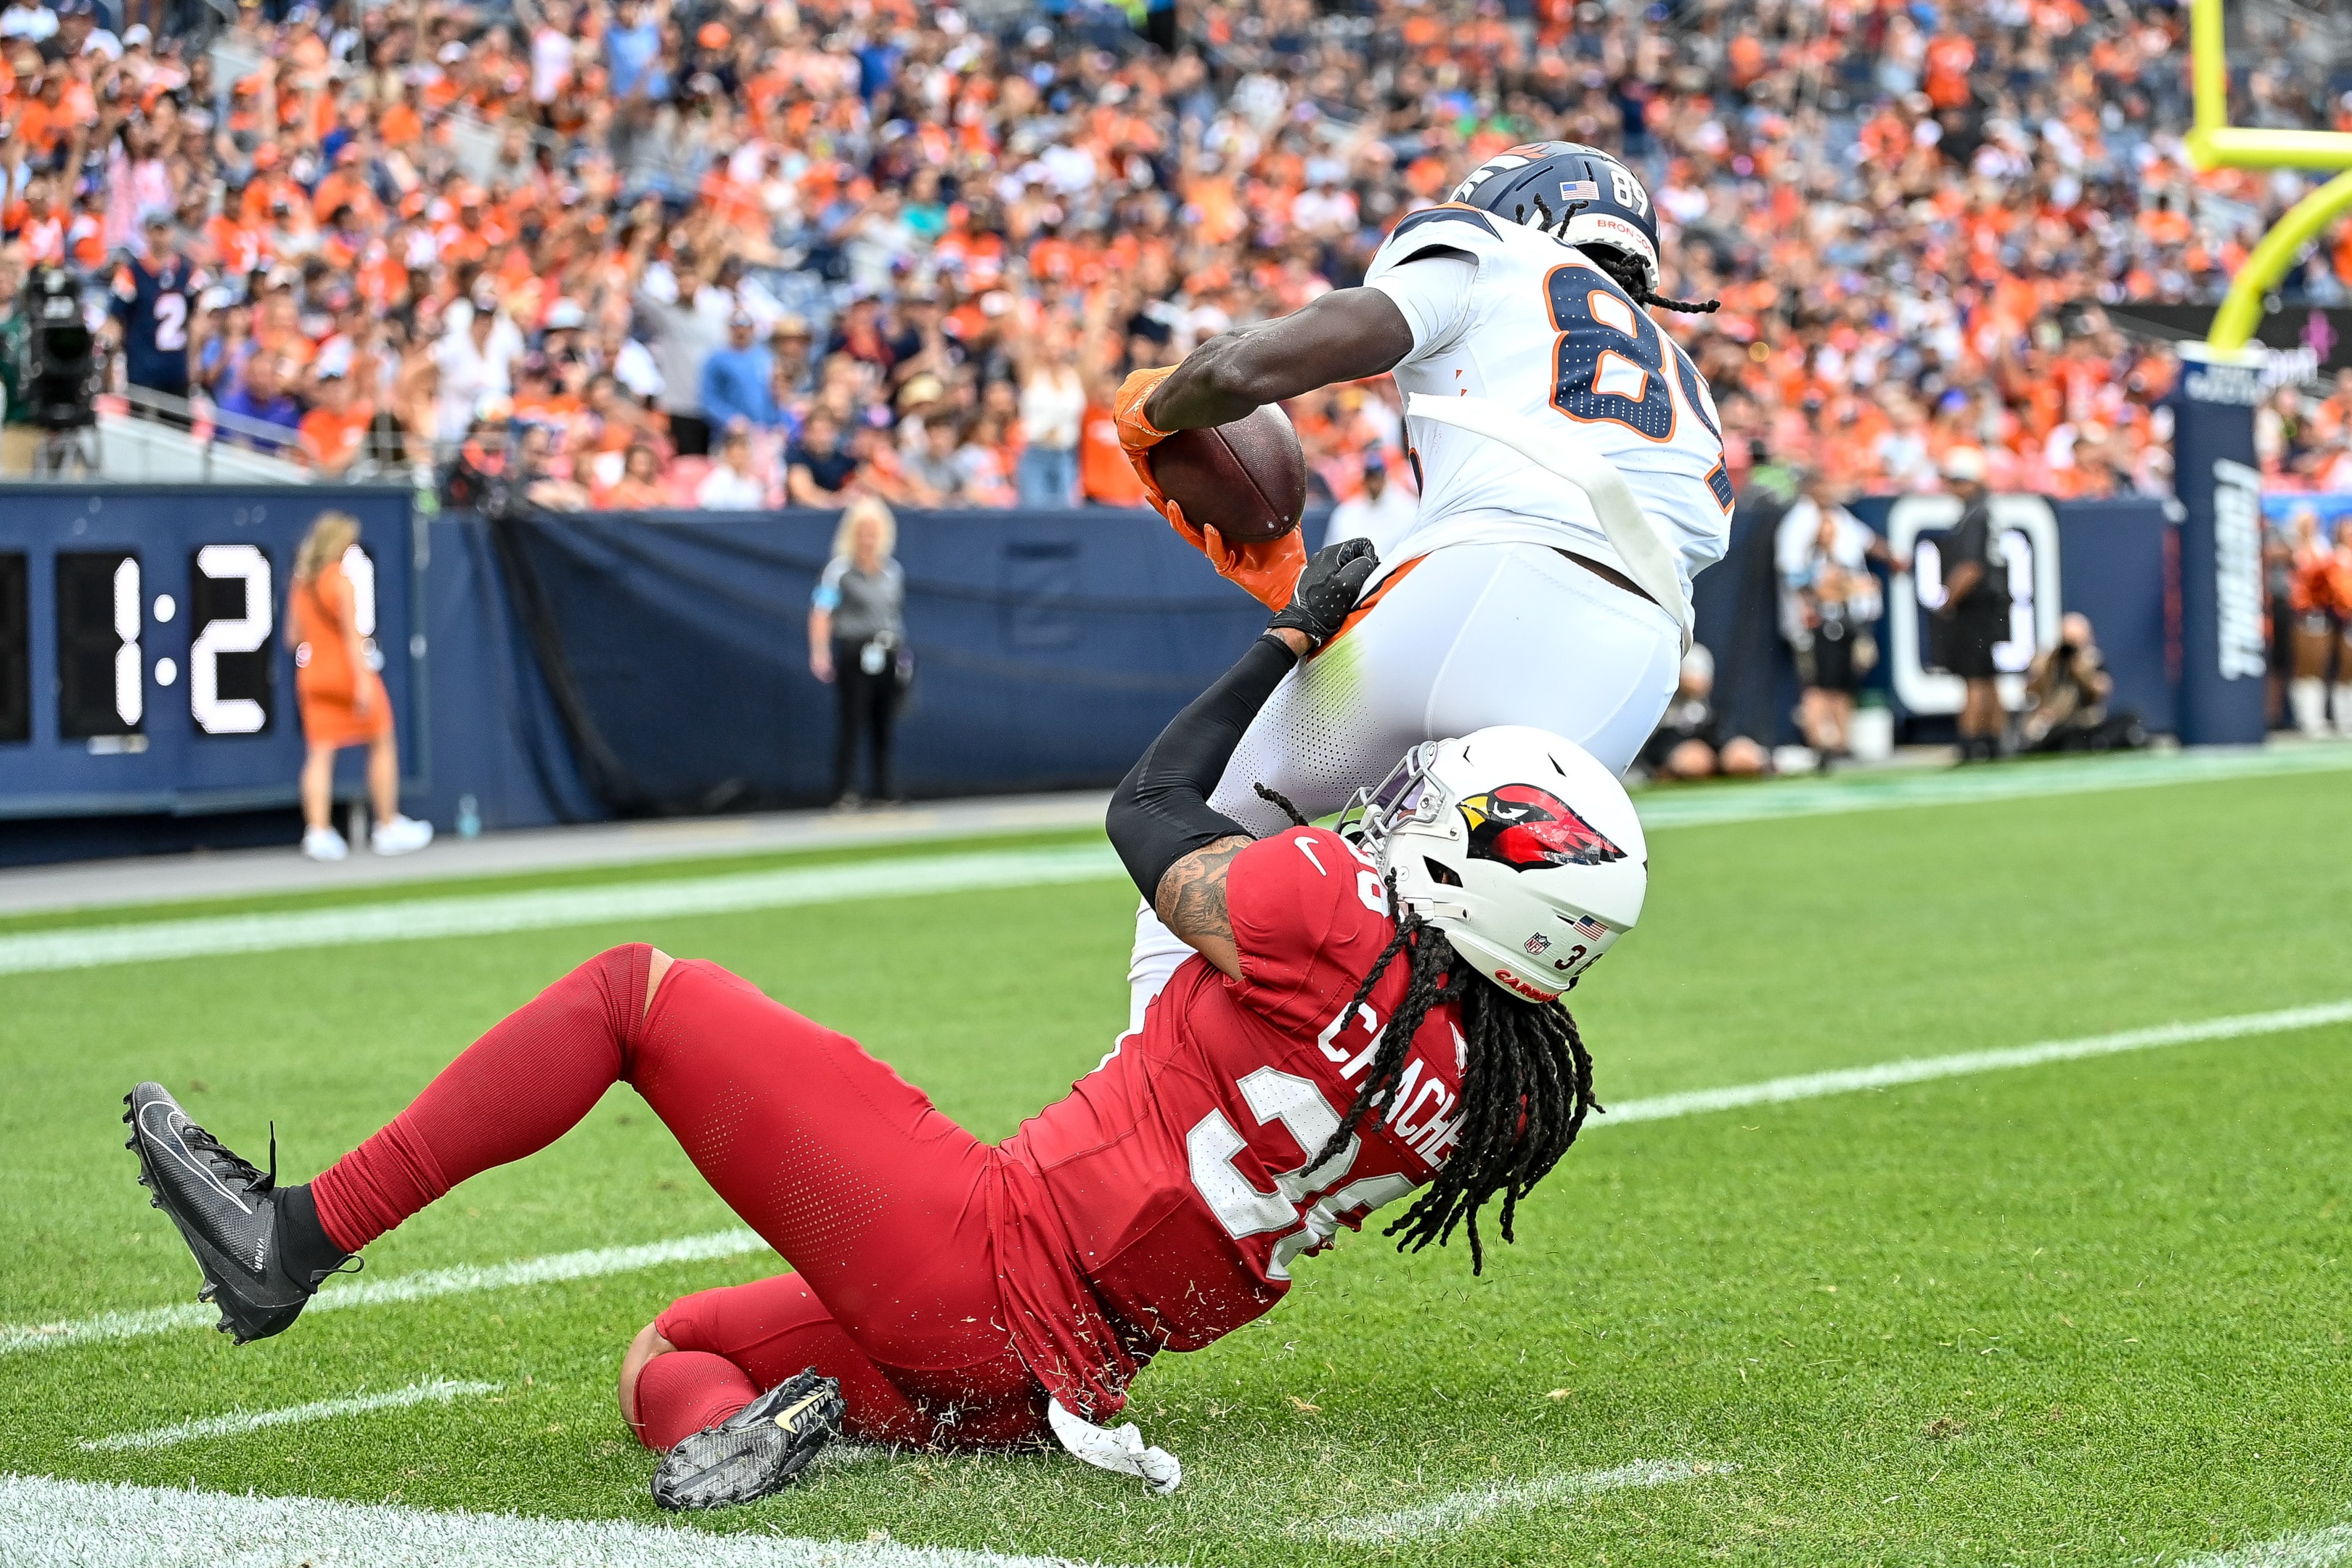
(1912, 216)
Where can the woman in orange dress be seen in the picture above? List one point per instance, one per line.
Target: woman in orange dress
(341, 696)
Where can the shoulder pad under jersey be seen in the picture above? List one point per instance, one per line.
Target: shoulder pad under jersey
(1452, 226)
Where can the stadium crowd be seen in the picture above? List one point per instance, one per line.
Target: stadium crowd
(636, 253)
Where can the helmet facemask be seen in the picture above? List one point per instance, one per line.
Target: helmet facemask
(1487, 840)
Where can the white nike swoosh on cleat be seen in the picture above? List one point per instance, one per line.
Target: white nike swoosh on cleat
(168, 1136)
(784, 1418)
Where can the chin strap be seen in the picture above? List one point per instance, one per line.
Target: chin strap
(1119, 1449)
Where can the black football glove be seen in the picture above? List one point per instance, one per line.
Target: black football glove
(1328, 588)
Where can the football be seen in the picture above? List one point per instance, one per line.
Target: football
(1247, 479)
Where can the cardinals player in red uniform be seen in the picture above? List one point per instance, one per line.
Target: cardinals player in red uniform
(1319, 1058)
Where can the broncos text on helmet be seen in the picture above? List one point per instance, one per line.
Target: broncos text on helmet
(1587, 197)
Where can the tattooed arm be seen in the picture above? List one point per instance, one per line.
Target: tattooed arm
(1192, 903)
(1175, 846)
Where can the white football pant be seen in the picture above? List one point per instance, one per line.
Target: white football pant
(1475, 635)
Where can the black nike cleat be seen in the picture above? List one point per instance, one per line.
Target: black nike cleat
(758, 1451)
(227, 1212)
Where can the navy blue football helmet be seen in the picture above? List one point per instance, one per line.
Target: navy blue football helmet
(1605, 205)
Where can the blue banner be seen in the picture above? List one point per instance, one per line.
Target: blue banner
(2224, 653)
(144, 667)
(1050, 648)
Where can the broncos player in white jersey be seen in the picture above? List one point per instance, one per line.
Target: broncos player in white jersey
(1572, 484)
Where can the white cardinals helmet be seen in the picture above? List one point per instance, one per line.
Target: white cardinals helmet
(1517, 845)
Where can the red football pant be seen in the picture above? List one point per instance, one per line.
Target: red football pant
(881, 1205)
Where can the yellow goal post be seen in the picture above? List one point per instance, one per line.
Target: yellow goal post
(2215, 143)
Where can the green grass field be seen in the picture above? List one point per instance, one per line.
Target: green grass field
(2086, 1313)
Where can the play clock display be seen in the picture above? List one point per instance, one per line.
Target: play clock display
(144, 664)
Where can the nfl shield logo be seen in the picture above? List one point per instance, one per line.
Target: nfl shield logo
(1538, 944)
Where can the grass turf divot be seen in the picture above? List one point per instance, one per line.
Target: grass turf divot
(437, 1391)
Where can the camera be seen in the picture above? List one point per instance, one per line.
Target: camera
(60, 353)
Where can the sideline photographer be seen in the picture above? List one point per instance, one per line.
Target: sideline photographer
(2068, 688)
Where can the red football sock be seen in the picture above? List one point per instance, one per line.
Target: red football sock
(513, 1092)
(680, 1393)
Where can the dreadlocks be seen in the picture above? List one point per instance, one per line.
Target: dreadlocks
(1527, 1084)
(1276, 798)
(1629, 277)
(1621, 270)
(1527, 1087)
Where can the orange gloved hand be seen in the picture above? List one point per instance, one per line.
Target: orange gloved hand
(1137, 435)
(1269, 571)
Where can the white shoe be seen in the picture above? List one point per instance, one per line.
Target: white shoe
(324, 844)
(2306, 697)
(401, 835)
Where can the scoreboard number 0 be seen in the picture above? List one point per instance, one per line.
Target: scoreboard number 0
(359, 571)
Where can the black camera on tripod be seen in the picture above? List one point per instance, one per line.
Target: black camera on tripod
(61, 354)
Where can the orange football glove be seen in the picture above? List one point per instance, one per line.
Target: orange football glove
(1137, 435)
(1268, 571)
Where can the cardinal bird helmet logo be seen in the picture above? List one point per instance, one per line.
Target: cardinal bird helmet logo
(1525, 827)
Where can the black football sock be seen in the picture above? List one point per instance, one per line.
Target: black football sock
(302, 1242)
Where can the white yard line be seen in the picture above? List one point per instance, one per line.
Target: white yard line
(493, 914)
(1465, 1507)
(1886, 1074)
(2305, 1549)
(734, 1243)
(438, 1391)
(84, 1524)
(343, 1292)
(1683, 807)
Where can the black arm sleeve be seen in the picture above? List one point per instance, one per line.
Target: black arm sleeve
(1160, 813)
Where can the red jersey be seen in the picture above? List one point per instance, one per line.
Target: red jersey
(1178, 1166)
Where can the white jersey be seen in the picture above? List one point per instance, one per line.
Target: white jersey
(1530, 324)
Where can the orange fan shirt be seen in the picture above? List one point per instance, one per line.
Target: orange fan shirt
(1104, 473)
(332, 440)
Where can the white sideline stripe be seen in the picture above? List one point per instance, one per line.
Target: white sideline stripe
(2305, 1549)
(734, 1243)
(422, 1287)
(1466, 1507)
(437, 1391)
(50, 1523)
(1887, 1074)
(493, 914)
(1676, 806)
